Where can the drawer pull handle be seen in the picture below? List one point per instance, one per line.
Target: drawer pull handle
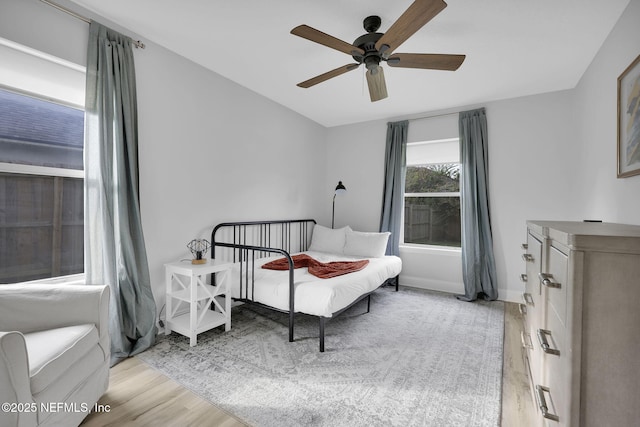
(523, 309)
(523, 277)
(528, 299)
(527, 257)
(525, 338)
(542, 403)
(525, 246)
(547, 280)
(542, 338)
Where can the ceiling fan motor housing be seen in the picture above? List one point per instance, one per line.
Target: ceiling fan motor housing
(371, 57)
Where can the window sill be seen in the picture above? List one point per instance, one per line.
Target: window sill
(430, 249)
(72, 279)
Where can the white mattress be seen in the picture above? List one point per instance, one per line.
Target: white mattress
(315, 296)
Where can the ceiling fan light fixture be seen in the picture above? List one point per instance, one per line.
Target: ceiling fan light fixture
(372, 62)
(377, 85)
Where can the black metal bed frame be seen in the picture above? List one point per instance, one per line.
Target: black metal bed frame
(244, 242)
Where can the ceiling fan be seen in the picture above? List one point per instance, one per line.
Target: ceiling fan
(373, 47)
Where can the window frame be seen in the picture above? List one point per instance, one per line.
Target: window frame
(21, 169)
(45, 171)
(457, 194)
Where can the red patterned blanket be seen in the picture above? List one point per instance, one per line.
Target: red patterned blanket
(323, 270)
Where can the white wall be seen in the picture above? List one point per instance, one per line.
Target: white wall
(607, 197)
(530, 177)
(355, 156)
(210, 150)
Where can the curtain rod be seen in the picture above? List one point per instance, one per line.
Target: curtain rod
(136, 43)
(435, 115)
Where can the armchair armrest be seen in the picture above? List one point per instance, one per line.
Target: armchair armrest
(35, 307)
(14, 377)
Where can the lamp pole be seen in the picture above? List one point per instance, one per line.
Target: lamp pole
(333, 211)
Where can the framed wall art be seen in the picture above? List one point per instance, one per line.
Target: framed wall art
(629, 120)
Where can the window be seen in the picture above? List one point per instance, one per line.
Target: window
(432, 193)
(41, 166)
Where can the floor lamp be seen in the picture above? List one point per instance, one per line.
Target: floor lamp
(340, 189)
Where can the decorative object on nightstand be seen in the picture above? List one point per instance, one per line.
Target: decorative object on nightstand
(193, 306)
(340, 189)
(199, 248)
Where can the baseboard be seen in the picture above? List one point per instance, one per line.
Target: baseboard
(433, 285)
(507, 295)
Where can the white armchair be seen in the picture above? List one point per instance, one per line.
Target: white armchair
(54, 353)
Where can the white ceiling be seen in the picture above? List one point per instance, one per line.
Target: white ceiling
(513, 47)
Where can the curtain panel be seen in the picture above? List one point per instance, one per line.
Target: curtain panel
(115, 252)
(478, 263)
(394, 176)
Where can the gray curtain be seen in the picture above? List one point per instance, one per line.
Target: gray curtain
(394, 175)
(478, 263)
(114, 244)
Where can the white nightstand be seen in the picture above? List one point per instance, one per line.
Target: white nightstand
(186, 285)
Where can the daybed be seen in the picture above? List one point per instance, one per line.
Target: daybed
(252, 244)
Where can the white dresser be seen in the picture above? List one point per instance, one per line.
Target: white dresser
(581, 331)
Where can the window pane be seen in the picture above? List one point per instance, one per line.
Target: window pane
(41, 227)
(433, 178)
(432, 220)
(41, 133)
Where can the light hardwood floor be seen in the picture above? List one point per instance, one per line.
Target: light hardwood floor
(517, 402)
(140, 396)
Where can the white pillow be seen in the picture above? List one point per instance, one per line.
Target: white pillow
(368, 245)
(329, 240)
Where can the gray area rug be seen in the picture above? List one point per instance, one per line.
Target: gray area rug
(419, 358)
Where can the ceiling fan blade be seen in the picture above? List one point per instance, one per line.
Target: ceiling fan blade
(377, 85)
(328, 75)
(324, 39)
(415, 17)
(426, 60)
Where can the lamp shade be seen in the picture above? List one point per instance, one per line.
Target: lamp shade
(340, 188)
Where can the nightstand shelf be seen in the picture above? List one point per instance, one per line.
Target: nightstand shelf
(206, 306)
(211, 319)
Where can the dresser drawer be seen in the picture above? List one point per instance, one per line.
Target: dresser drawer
(554, 284)
(553, 345)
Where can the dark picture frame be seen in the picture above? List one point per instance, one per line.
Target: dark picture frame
(629, 120)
